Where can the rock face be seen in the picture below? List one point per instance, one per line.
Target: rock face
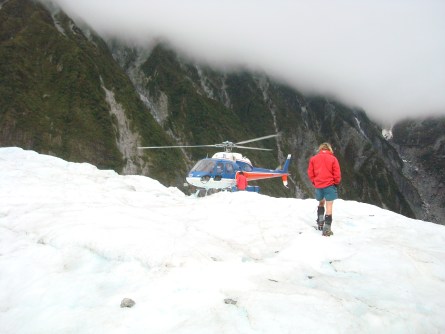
(421, 144)
(68, 93)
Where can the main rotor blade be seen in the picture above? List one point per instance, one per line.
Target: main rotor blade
(253, 148)
(256, 139)
(174, 146)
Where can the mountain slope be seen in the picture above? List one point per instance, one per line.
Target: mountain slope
(421, 143)
(62, 93)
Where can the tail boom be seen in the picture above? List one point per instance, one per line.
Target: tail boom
(261, 174)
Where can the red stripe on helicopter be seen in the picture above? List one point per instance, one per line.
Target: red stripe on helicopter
(251, 176)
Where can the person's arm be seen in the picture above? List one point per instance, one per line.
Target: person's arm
(310, 171)
(336, 172)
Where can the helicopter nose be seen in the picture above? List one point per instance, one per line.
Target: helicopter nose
(194, 181)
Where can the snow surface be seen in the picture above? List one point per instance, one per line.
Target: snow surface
(75, 241)
(387, 133)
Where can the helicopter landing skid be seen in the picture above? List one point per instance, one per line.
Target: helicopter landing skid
(196, 194)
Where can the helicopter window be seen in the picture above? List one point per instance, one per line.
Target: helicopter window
(204, 166)
(245, 167)
(229, 169)
(219, 168)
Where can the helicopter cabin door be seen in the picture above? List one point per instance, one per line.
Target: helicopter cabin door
(225, 170)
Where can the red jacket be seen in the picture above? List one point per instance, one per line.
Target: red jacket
(324, 169)
(241, 181)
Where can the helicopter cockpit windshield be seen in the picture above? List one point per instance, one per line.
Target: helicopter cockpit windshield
(205, 165)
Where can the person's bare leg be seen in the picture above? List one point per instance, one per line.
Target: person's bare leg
(329, 207)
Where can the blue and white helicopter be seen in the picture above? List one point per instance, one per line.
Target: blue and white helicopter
(220, 171)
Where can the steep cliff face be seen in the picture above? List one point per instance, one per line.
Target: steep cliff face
(421, 144)
(63, 91)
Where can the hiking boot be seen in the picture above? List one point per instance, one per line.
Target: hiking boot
(327, 226)
(327, 232)
(320, 219)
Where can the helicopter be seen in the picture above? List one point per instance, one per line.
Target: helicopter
(220, 171)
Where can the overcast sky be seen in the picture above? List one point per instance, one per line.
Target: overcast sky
(387, 57)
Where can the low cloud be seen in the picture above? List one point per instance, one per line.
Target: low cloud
(387, 57)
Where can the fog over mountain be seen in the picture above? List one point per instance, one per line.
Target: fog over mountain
(385, 57)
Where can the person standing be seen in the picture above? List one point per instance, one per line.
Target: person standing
(325, 174)
(241, 181)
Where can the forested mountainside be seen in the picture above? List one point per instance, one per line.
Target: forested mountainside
(62, 93)
(65, 91)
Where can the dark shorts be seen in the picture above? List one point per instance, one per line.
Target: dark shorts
(328, 193)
